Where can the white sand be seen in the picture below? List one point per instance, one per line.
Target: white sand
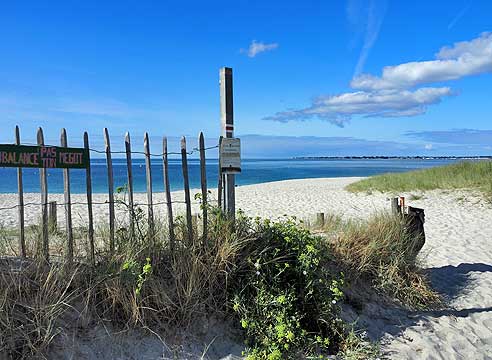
(459, 247)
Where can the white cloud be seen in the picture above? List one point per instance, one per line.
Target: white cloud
(428, 146)
(256, 48)
(462, 59)
(339, 109)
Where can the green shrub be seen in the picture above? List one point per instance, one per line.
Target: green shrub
(284, 294)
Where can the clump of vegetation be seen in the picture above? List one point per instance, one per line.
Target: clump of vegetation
(286, 295)
(476, 175)
(382, 250)
(281, 283)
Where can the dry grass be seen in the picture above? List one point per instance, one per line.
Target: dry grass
(381, 250)
(142, 285)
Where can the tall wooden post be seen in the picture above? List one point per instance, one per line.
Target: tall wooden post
(44, 248)
(109, 163)
(227, 123)
(68, 202)
(20, 203)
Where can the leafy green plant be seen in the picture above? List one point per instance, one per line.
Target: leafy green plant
(285, 296)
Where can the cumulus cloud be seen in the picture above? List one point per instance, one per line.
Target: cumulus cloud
(338, 109)
(257, 47)
(462, 59)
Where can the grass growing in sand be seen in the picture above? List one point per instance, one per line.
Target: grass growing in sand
(476, 175)
(380, 251)
(281, 284)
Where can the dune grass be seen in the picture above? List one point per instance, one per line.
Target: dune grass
(280, 283)
(381, 251)
(474, 175)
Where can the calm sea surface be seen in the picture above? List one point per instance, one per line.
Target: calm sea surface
(253, 172)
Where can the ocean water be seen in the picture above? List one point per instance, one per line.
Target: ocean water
(253, 172)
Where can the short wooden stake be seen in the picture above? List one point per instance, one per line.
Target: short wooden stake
(20, 202)
(320, 219)
(109, 163)
(165, 169)
(88, 182)
(43, 250)
(395, 208)
(184, 164)
(52, 216)
(68, 202)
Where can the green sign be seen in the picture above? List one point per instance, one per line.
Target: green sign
(43, 156)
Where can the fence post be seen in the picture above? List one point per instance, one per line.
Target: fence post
(148, 173)
(109, 163)
(88, 182)
(184, 164)
(165, 169)
(44, 248)
(52, 216)
(20, 203)
(227, 122)
(220, 183)
(320, 220)
(68, 201)
(203, 176)
(128, 151)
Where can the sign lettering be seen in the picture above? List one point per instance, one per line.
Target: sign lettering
(230, 155)
(43, 156)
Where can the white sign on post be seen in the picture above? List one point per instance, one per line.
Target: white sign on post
(230, 155)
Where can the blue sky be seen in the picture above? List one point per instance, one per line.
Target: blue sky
(373, 77)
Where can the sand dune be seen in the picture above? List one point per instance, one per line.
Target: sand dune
(459, 258)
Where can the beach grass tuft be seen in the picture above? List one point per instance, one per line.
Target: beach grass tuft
(473, 175)
(381, 251)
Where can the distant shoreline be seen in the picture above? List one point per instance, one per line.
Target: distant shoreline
(392, 157)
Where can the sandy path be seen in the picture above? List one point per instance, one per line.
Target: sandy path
(459, 244)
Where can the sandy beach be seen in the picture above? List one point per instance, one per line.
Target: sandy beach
(457, 255)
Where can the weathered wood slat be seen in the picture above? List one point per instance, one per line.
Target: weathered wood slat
(68, 202)
(52, 216)
(20, 202)
(186, 182)
(43, 249)
(203, 178)
(109, 163)
(131, 210)
(148, 175)
(88, 182)
(220, 184)
(167, 189)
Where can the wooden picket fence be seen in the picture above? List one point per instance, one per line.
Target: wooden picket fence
(44, 246)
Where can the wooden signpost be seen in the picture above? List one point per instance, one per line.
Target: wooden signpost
(227, 122)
